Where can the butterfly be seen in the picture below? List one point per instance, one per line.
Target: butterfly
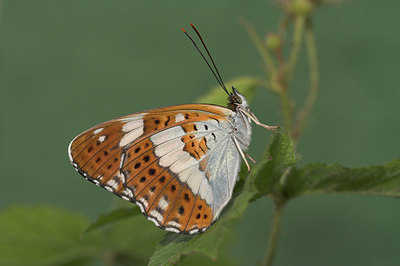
(179, 164)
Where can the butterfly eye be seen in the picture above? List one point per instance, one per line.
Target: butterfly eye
(235, 99)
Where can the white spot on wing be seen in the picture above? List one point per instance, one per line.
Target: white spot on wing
(131, 136)
(122, 160)
(140, 206)
(122, 176)
(195, 179)
(179, 118)
(128, 193)
(154, 221)
(173, 223)
(171, 229)
(205, 192)
(125, 198)
(133, 117)
(133, 125)
(112, 183)
(168, 146)
(172, 157)
(157, 215)
(144, 202)
(163, 204)
(185, 174)
(194, 231)
(102, 138)
(97, 131)
(167, 134)
(184, 161)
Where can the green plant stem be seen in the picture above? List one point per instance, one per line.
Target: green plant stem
(274, 233)
(267, 58)
(287, 73)
(286, 109)
(283, 25)
(314, 80)
(265, 55)
(295, 49)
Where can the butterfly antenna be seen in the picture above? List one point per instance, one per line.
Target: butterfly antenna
(209, 55)
(217, 76)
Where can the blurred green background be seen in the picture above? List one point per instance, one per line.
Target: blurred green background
(68, 65)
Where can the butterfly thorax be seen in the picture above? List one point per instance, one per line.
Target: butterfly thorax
(242, 123)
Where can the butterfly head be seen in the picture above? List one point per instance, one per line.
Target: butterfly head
(237, 101)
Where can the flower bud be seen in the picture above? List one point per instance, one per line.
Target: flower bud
(301, 7)
(273, 41)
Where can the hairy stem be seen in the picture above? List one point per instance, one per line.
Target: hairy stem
(286, 109)
(283, 24)
(314, 80)
(296, 45)
(272, 72)
(267, 58)
(274, 234)
(286, 76)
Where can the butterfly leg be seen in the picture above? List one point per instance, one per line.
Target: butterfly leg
(251, 159)
(241, 153)
(258, 123)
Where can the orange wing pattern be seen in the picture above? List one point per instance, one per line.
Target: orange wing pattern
(151, 159)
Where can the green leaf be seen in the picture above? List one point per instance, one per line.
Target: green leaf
(265, 181)
(112, 217)
(281, 151)
(320, 178)
(44, 236)
(277, 163)
(132, 239)
(245, 85)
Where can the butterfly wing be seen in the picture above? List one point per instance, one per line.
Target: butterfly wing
(178, 164)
